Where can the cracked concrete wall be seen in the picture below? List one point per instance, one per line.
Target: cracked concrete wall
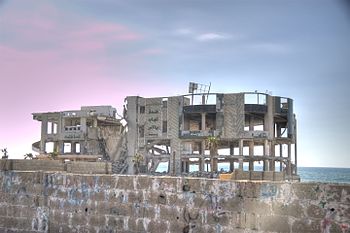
(62, 202)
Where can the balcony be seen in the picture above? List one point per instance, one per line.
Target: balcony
(255, 108)
(255, 134)
(198, 133)
(199, 109)
(73, 135)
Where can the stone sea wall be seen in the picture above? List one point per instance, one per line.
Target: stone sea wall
(57, 201)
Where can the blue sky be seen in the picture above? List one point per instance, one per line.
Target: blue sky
(59, 55)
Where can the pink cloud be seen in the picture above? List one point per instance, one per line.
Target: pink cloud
(47, 65)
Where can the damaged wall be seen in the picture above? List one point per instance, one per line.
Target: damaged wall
(62, 202)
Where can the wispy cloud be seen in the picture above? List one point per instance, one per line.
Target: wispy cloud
(211, 37)
(202, 36)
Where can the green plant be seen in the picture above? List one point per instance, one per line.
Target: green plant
(212, 144)
(53, 155)
(137, 160)
(28, 156)
(5, 153)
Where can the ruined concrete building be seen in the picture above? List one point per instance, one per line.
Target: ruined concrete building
(91, 131)
(247, 135)
(253, 134)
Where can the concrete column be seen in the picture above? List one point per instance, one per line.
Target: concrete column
(231, 149)
(83, 124)
(231, 165)
(266, 153)
(289, 165)
(272, 162)
(231, 154)
(201, 160)
(268, 119)
(203, 126)
(60, 147)
(240, 154)
(43, 134)
(281, 155)
(52, 127)
(296, 149)
(251, 123)
(251, 154)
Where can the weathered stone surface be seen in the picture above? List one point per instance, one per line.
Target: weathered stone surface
(60, 202)
(274, 224)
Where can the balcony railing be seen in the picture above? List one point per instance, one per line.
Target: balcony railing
(198, 133)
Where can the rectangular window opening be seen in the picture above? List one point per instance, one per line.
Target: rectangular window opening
(49, 127)
(67, 147)
(165, 127)
(49, 147)
(142, 109)
(77, 148)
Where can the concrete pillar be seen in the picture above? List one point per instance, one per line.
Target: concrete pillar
(296, 149)
(201, 160)
(281, 155)
(289, 165)
(251, 123)
(268, 119)
(251, 154)
(83, 124)
(43, 134)
(266, 153)
(231, 154)
(203, 126)
(231, 149)
(240, 161)
(231, 165)
(272, 162)
(60, 147)
(52, 127)
(187, 166)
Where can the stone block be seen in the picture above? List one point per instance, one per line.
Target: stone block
(97, 220)
(154, 226)
(115, 222)
(256, 175)
(306, 225)
(242, 175)
(123, 182)
(274, 223)
(142, 182)
(168, 213)
(314, 211)
(288, 209)
(278, 176)
(268, 175)
(308, 191)
(167, 184)
(255, 206)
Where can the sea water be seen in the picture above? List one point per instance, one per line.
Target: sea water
(324, 174)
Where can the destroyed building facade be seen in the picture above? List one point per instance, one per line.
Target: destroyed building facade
(92, 131)
(254, 133)
(250, 135)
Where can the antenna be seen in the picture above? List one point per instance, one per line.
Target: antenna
(197, 88)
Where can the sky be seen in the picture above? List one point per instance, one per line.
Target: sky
(60, 55)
